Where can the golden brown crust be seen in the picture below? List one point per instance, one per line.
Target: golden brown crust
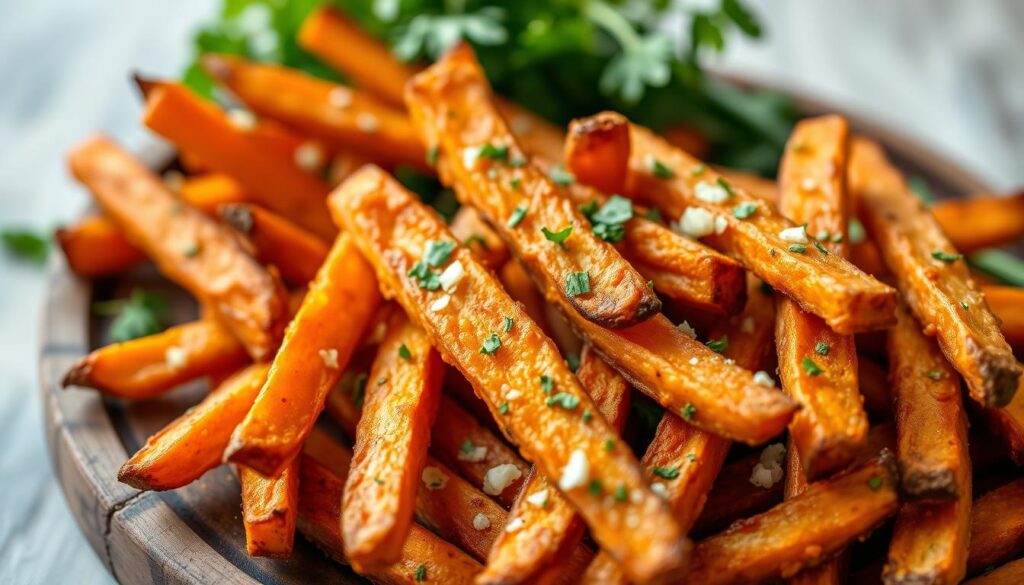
(452, 106)
(940, 291)
(392, 230)
(269, 508)
(294, 252)
(997, 527)
(981, 221)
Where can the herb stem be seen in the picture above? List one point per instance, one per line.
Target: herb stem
(612, 21)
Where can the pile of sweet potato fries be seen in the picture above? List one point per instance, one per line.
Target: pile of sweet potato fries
(483, 370)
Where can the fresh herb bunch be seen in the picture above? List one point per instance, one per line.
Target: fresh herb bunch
(559, 58)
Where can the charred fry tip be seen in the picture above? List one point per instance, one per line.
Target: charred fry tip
(144, 84)
(78, 374)
(916, 485)
(237, 215)
(1002, 385)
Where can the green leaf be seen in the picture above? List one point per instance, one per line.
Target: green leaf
(718, 345)
(631, 72)
(506, 325)
(811, 368)
(404, 353)
(491, 344)
(438, 251)
(822, 348)
(565, 400)
(577, 283)
(615, 210)
(26, 244)
(517, 215)
(143, 313)
(744, 210)
(1000, 265)
(688, 411)
(561, 177)
(666, 472)
(946, 257)
(558, 237)
(742, 17)
(426, 278)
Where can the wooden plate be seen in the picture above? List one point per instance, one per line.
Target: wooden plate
(194, 534)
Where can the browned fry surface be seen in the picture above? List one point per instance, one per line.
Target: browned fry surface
(939, 290)
(452, 106)
(487, 336)
(190, 248)
(605, 149)
(997, 527)
(269, 508)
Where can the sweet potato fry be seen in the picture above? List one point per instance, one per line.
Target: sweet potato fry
(190, 249)
(341, 117)
(832, 571)
(210, 191)
(817, 366)
(269, 507)
(391, 444)
(269, 178)
(932, 276)
(193, 443)
(316, 348)
(96, 247)
(328, 451)
(320, 493)
(475, 234)
(452, 107)
(931, 427)
(481, 331)
(802, 531)
(149, 366)
(609, 153)
(1007, 303)
(522, 289)
(296, 253)
(1008, 423)
(683, 460)
(1011, 573)
(550, 526)
(981, 221)
(997, 527)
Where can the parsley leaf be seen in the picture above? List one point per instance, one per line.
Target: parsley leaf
(404, 353)
(498, 153)
(426, 278)
(822, 348)
(438, 251)
(658, 169)
(744, 210)
(431, 35)
(688, 411)
(718, 345)
(561, 177)
(558, 237)
(563, 399)
(945, 257)
(26, 244)
(142, 314)
(811, 368)
(491, 344)
(547, 384)
(666, 472)
(517, 215)
(577, 283)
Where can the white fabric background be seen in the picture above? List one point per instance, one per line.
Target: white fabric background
(947, 71)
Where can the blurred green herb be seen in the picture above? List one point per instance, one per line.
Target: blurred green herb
(142, 313)
(26, 244)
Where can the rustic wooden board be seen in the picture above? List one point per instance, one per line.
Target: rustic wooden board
(194, 535)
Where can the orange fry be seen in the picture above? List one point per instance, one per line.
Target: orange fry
(269, 507)
(296, 253)
(608, 152)
(997, 527)
(932, 276)
(482, 332)
(96, 247)
(981, 221)
(1008, 423)
(316, 348)
(475, 234)
(1007, 303)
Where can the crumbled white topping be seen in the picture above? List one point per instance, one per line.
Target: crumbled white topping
(330, 358)
(481, 521)
(538, 498)
(434, 478)
(367, 122)
(576, 472)
(476, 454)
(242, 119)
(514, 525)
(659, 489)
(441, 303)
(747, 325)
(309, 156)
(721, 224)
(710, 192)
(768, 470)
(513, 394)
(500, 477)
(795, 235)
(729, 361)
(175, 357)
(687, 329)
(761, 377)
(695, 222)
(808, 184)
(451, 276)
(694, 361)
(340, 97)
(470, 154)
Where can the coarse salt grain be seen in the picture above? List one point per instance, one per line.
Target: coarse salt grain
(694, 361)
(710, 192)
(476, 454)
(514, 525)
(721, 224)
(470, 154)
(330, 358)
(175, 357)
(481, 522)
(441, 303)
(576, 472)
(538, 498)
(434, 478)
(696, 222)
(794, 235)
(659, 489)
(687, 330)
(309, 156)
(451, 276)
(761, 377)
(500, 477)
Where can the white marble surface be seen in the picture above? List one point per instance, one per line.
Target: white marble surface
(948, 71)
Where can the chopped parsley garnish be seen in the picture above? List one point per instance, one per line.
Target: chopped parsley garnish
(744, 210)
(688, 411)
(820, 248)
(935, 375)
(621, 493)
(963, 305)
(608, 444)
(378, 481)
(573, 361)
(577, 283)
(822, 348)
(718, 345)
(491, 344)
(506, 324)
(382, 380)
(658, 169)
(772, 251)
(587, 415)
(947, 258)
(142, 314)
(822, 235)
(608, 220)
(498, 153)
(467, 447)
(837, 237)
(561, 177)
(691, 457)
(875, 483)
(26, 244)
(798, 248)
(517, 162)
(438, 252)
(421, 573)
(653, 214)
(810, 367)
(404, 353)
(547, 384)
(724, 185)
(563, 399)
(426, 278)
(517, 215)
(476, 239)
(514, 183)
(558, 237)
(698, 170)
(588, 209)
(595, 488)
(503, 408)
(666, 472)
(432, 155)
(192, 249)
